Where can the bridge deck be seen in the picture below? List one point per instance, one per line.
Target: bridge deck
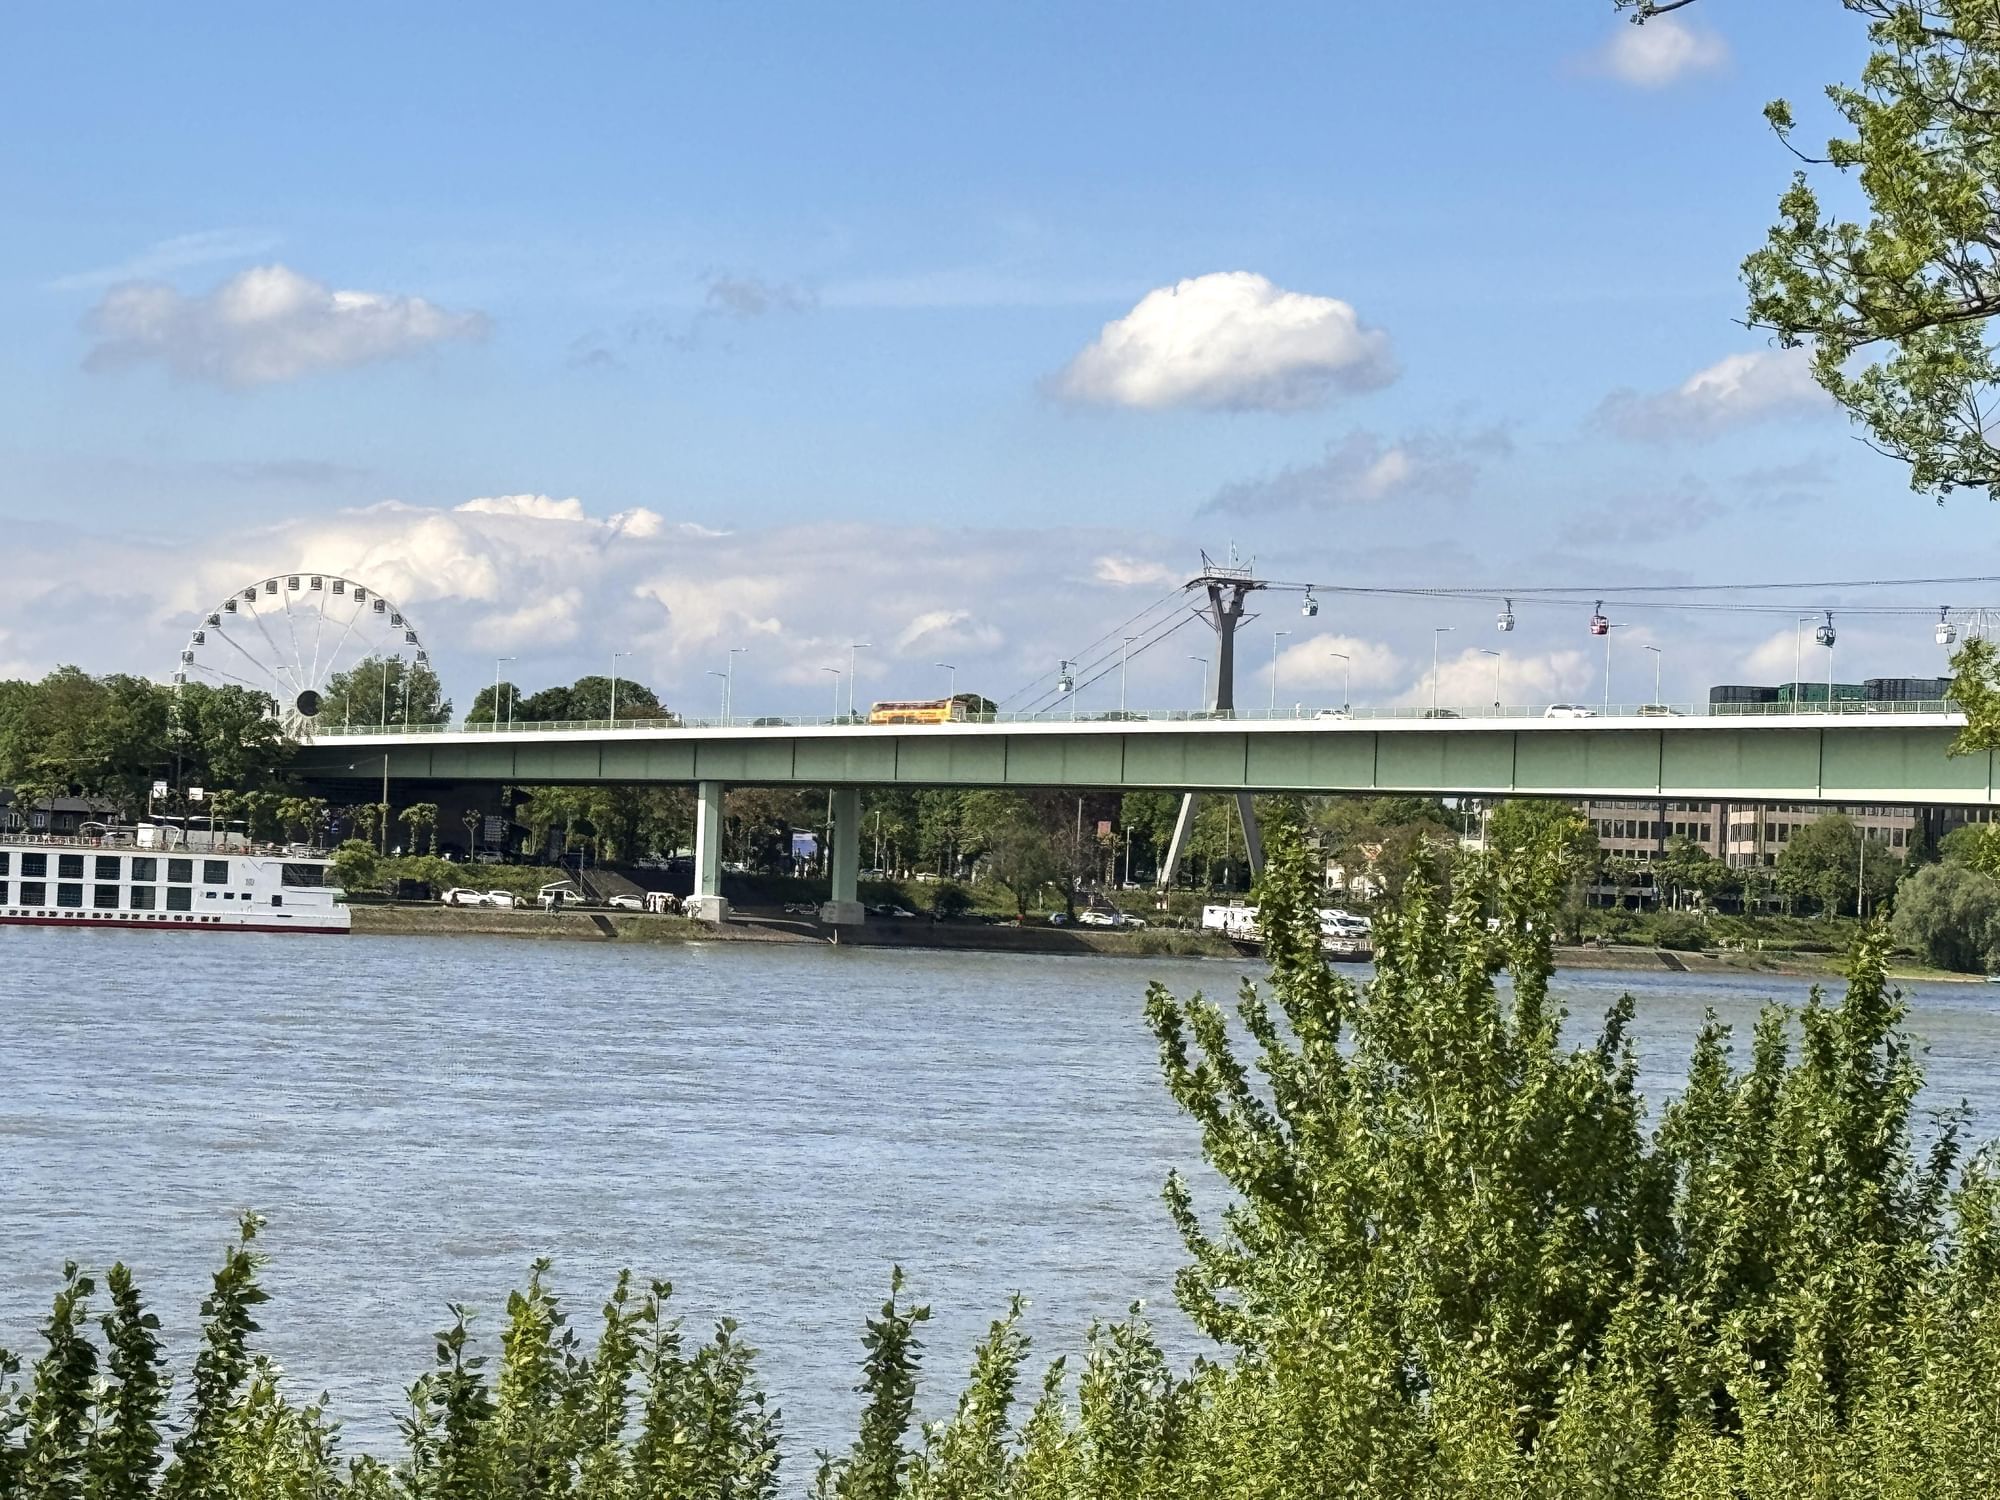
(1804, 757)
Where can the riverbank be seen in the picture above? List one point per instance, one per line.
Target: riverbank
(979, 937)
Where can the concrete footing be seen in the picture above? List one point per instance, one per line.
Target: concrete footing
(843, 913)
(708, 908)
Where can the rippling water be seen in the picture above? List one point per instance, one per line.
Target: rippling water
(770, 1127)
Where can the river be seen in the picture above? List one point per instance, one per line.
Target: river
(771, 1127)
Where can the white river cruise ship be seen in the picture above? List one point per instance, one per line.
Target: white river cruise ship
(160, 875)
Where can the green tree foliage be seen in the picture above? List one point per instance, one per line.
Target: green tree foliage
(385, 689)
(1823, 863)
(1950, 914)
(94, 736)
(1691, 871)
(589, 698)
(508, 700)
(1015, 846)
(227, 737)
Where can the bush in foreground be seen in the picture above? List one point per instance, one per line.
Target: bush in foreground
(1454, 1262)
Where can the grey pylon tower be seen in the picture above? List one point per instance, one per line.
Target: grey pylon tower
(1226, 586)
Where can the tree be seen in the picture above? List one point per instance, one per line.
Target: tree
(227, 737)
(1824, 863)
(421, 817)
(1950, 915)
(1690, 869)
(1013, 845)
(1974, 845)
(384, 690)
(356, 866)
(90, 736)
(587, 699)
(483, 711)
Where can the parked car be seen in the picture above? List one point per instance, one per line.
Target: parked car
(502, 899)
(488, 857)
(1058, 919)
(558, 893)
(1568, 711)
(1658, 711)
(626, 901)
(1096, 919)
(459, 897)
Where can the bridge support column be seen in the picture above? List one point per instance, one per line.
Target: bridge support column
(1246, 814)
(844, 909)
(707, 903)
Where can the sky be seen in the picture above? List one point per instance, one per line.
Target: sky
(958, 331)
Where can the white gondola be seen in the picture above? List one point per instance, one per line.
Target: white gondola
(1825, 633)
(1311, 607)
(1946, 631)
(1505, 621)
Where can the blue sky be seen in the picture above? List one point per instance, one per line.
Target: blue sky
(828, 282)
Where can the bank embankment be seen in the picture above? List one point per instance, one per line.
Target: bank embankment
(400, 919)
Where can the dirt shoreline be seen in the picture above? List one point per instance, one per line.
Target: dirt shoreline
(972, 937)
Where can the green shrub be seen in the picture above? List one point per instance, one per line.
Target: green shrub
(950, 899)
(1682, 933)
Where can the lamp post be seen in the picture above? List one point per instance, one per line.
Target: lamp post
(836, 689)
(729, 681)
(1436, 631)
(614, 684)
(1489, 651)
(496, 692)
(725, 692)
(1123, 652)
(1346, 678)
(1202, 701)
(951, 683)
(1276, 636)
(1656, 674)
(853, 647)
(1609, 626)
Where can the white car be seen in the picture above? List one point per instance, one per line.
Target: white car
(1333, 713)
(626, 901)
(559, 893)
(1096, 919)
(458, 897)
(1569, 711)
(502, 899)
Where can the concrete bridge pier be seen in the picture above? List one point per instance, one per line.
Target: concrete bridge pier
(844, 864)
(707, 904)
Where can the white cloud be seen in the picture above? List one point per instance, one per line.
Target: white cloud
(264, 325)
(1310, 673)
(1363, 467)
(1229, 341)
(1526, 679)
(1134, 572)
(1735, 390)
(1662, 51)
(947, 630)
(204, 247)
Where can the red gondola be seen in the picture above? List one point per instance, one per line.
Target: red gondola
(1599, 625)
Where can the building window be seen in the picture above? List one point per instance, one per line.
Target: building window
(4, 857)
(34, 864)
(104, 897)
(34, 893)
(3, 893)
(277, 900)
(69, 867)
(107, 867)
(180, 871)
(215, 872)
(69, 896)
(179, 898)
(146, 868)
(142, 898)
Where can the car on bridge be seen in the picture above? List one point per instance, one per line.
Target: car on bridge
(1568, 711)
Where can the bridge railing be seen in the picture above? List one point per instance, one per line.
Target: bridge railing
(1295, 713)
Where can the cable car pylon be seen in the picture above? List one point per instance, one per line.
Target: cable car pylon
(1227, 586)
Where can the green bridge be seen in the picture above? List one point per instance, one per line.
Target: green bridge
(1843, 756)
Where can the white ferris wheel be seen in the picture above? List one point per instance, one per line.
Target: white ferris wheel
(289, 635)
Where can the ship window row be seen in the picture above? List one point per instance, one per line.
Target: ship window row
(110, 868)
(69, 897)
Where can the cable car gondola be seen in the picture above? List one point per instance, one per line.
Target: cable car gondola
(1825, 633)
(1505, 622)
(1946, 631)
(1310, 607)
(1599, 625)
